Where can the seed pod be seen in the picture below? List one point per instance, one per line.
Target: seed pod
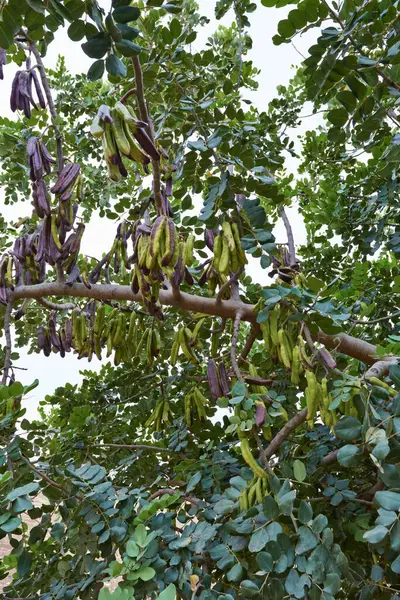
(261, 413)
(213, 380)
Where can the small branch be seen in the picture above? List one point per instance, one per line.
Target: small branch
(60, 273)
(50, 102)
(134, 447)
(54, 306)
(144, 115)
(228, 284)
(262, 456)
(129, 93)
(392, 316)
(99, 266)
(236, 329)
(289, 232)
(329, 458)
(41, 474)
(162, 492)
(284, 433)
(7, 334)
(248, 345)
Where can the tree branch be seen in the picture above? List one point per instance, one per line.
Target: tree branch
(144, 115)
(284, 433)
(248, 345)
(134, 447)
(228, 284)
(54, 306)
(289, 232)
(228, 309)
(380, 368)
(41, 474)
(236, 329)
(50, 102)
(7, 334)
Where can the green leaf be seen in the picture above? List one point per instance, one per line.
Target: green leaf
(128, 48)
(394, 373)
(36, 5)
(29, 488)
(223, 506)
(145, 573)
(115, 66)
(97, 46)
(395, 566)
(175, 28)
(168, 594)
(76, 31)
(265, 561)
(347, 455)
(127, 32)
(258, 540)
(307, 540)
(376, 535)
(338, 117)
(299, 470)
(11, 525)
(126, 14)
(96, 70)
(235, 573)
(286, 28)
(24, 563)
(348, 429)
(140, 535)
(388, 500)
(193, 481)
(332, 584)
(305, 512)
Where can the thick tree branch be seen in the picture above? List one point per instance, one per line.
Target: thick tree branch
(284, 433)
(50, 102)
(227, 309)
(381, 368)
(7, 334)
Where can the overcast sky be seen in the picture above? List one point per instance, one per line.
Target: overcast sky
(277, 67)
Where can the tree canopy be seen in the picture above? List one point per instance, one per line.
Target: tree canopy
(240, 440)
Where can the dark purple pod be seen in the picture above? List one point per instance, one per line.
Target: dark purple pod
(261, 413)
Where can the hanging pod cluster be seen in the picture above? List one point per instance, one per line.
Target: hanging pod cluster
(21, 90)
(228, 256)
(123, 135)
(254, 493)
(160, 418)
(194, 406)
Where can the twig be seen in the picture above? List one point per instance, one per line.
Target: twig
(7, 334)
(41, 474)
(54, 306)
(284, 433)
(240, 45)
(228, 284)
(144, 115)
(52, 108)
(236, 329)
(262, 456)
(248, 345)
(134, 447)
(129, 93)
(289, 232)
(392, 316)
(60, 273)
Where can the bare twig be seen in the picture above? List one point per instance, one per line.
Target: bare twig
(289, 232)
(129, 93)
(134, 447)
(144, 115)
(284, 433)
(228, 284)
(50, 102)
(41, 474)
(7, 334)
(54, 306)
(372, 321)
(236, 329)
(248, 345)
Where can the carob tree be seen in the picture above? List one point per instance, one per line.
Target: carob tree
(240, 440)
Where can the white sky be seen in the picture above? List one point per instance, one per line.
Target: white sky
(276, 64)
